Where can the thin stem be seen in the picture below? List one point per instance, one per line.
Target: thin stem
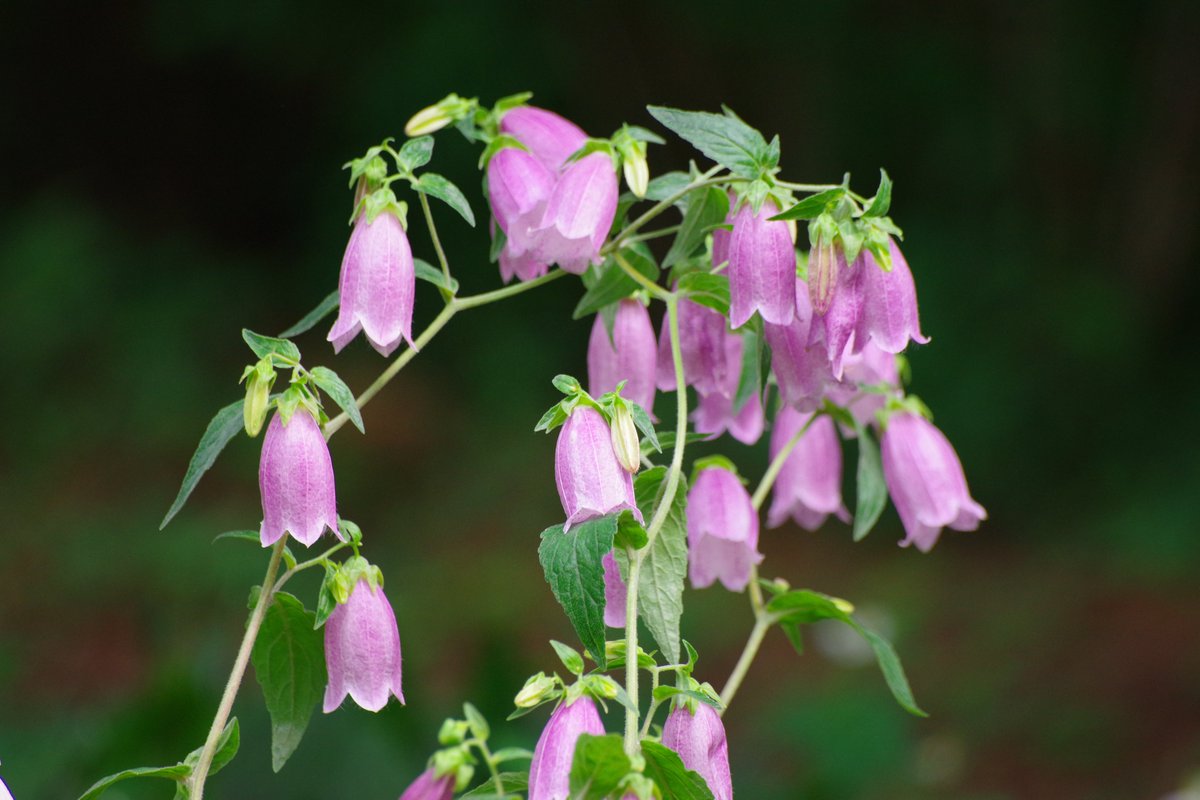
(653, 703)
(486, 752)
(640, 279)
(474, 301)
(303, 565)
(655, 234)
(808, 187)
(632, 741)
(681, 412)
(200, 773)
(768, 479)
(761, 624)
(437, 245)
(706, 179)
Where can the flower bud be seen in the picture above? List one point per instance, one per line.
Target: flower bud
(453, 731)
(550, 770)
(808, 487)
(430, 787)
(602, 686)
(722, 530)
(636, 169)
(591, 482)
(362, 650)
(537, 690)
(259, 380)
(824, 263)
(431, 119)
(625, 441)
(295, 479)
(699, 739)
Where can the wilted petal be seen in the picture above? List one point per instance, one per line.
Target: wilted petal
(890, 303)
(631, 355)
(591, 482)
(808, 488)
(295, 479)
(430, 787)
(722, 530)
(762, 267)
(551, 138)
(615, 592)
(578, 214)
(550, 770)
(377, 285)
(699, 739)
(362, 651)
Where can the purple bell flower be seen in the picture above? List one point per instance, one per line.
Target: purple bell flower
(295, 479)
(631, 355)
(551, 138)
(926, 481)
(702, 333)
(550, 770)
(762, 267)
(798, 356)
(842, 325)
(518, 187)
(579, 213)
(377, 286)
(722, 531)
(615, 593)
(714, 414)
(809, 486)
(362, 650)
(699, 739)
(890, 303)
(871, 367)
(591, 482)
(430, 787)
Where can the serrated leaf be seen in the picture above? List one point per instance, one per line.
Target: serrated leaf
(429, 273)
(708, 208)
(220, 431)
(666, 769)
(416, 152)
(337, 389)
(664, 566)
(178, 772)
(613, 283)
(437, 186)
(812, 206)
(599, 764)
(706, 289)
(264, 346)
(309, 321)
(871, 490)
(882, 201)
(571, 561)
(289, 662)
(726, 140)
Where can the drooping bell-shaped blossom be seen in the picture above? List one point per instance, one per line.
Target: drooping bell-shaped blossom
(842, 324)
(295, 479)
(715, 412)
(591, 481)
(630, 355)
(428, 786)
(926, 480)
(702, 332)
(362, 650)
(550, 770)
(578, 215)
(518, 187)
(890, 303)
(377, 285)
(762, 267)
(798, 356)
(809, 486)
(722, 530)
(551, 138)
(699, 739)
(871, 368)
(615, 592)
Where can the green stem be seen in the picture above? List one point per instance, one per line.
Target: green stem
(486, 752)
(437, 245)
(656, 234)
(773, 470)
(632, 742)
(653, 703)
(200, 773)
(640, 279)
(761, 624)
(808, 187)
(303, 565)
(706, 179)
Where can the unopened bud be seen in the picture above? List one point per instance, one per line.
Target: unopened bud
(431, 119)
(602, 686)
(637, 169)
(259, 380)
(625, 441)
(537, 690)
(845, 606)
(822, 275)
(453, 731)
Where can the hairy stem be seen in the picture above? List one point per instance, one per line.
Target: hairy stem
(632, 741)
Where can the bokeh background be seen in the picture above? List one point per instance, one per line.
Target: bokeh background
(171, 174)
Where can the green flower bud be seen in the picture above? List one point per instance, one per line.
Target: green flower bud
(537, 690)
(431, 119)
(625, 441)
(453, 731)
(259, 380)
(637, 169)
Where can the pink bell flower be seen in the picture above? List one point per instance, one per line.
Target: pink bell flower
(715, 412)
(295, 479)
(926, 481)
(615, 592)
(842, 324)
(579, 213)
(631, 355)
(798, 356)
(762, 267)
(550, 770)
(591, 481)
(518, 187)
(362, 650)
(872, 367)
(377, 286)
(699, 739)
(551, 138)
(809, 486)
(428, 786)
(890, 317)
(702, 333)
(722, 531)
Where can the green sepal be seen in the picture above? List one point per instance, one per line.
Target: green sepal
(569, 656)
(882, 201)
(814, 205)
(272, 347)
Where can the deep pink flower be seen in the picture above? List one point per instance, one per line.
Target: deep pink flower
(615, 593)
(430, 787)
(809, 486)
(377, 285)
(631, 355)
(722, 530)
(551, 138)
(591, 482)
(699, 739)
(762, 267)
(702, 334)
(715, 413)
(926, 481)
(550, 770)
(890, 303)
(295, 479)
(578, 214)
(518, 187)
(798, 356)
(362, 650)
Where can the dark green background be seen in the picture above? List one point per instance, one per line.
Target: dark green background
(171, 174)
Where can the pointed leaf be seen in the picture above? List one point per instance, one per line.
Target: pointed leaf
(572, 564)
(264, 346)
(337, 389)
(666, 769)
(599, 764)
(871, 489)
(707, 209)
(323, 309)
(431, 274)
(437, 186)
(178, 772)
(221, 429)
(726, 140)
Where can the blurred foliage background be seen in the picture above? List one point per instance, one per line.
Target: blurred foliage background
(172, 175)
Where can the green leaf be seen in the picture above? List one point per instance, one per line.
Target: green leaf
(642, 420)
(667, 185)
(326, 600)
(437, 186)
(662, 693)
(813, 205)
(871, 489)
(323, 309)
(512, 781)
(416, 152)
(264, 346)
(289, 662)
(571, 561)
(431, 274)
(893, 671)
(569, 657)
(883, 197)
(630, 532)
(666, 769)
(337, 389)
(792, 631)
(750, 379)
(221, 429)
(726, 140)
(599, 765)
(614, 284)
(707, 289)
(707, 209)
(178, 772)
(664, 568)
(512, 754)
(477, 722)
(227, 748)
